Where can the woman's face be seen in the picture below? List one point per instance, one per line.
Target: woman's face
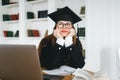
(64, 27)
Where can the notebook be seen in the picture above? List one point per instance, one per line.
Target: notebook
(19, 62)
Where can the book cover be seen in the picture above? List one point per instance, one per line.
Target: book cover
(36, 33)
(42, 13)
(33, 33)
(8, 33)
(82, 11)
(17, 16)
(5, 2)
(6, 17)
(13, 17)
(30, 15)
(29, 33)
(5, 33)
(17, 34)
(81, 32)
(45, 13)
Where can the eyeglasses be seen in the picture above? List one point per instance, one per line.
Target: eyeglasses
(67, 24)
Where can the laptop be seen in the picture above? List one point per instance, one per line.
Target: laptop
(19, 62)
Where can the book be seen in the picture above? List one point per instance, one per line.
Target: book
(6, 17)
(17, 33)
(8, 33)
(5, 33)
(81, 74)
(30, 15)
(42, 13)
(33, 33)
(62, 70)
(29, 33)
(82, 11)
(81, 32)
(5, 2)
(13, 17)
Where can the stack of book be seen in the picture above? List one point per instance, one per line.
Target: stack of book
(81, 32)
(42, 13)
(5, 2)
(30, 15)
(7, 17)
(61, 71)
(8, 33)
(33, 33)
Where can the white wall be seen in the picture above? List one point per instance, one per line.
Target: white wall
(102, 36)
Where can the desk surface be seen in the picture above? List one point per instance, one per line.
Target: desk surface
(68, 77)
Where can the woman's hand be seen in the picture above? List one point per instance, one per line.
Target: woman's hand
(57, 33)
(72, 32)
(59, 37)
(68, 39)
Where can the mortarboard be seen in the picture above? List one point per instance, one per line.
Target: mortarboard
(65, 14)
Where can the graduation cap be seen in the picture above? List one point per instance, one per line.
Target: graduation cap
(65, 14)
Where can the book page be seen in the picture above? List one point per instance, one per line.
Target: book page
(63, 70)
(101, 75)
(67, 68)
(82, 74)
(56, 72)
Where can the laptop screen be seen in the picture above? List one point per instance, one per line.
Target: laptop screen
(19, 62)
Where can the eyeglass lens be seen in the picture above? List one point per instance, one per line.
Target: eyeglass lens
(62, 24)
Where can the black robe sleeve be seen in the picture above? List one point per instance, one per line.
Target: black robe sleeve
(76, 55)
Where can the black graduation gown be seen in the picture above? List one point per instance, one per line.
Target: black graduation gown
(54, 56)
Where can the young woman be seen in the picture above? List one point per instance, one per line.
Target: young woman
(62, 47)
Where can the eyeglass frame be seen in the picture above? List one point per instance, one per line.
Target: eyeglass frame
(64, 24)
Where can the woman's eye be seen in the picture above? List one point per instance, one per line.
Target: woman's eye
(60, 23)
(67, 24)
